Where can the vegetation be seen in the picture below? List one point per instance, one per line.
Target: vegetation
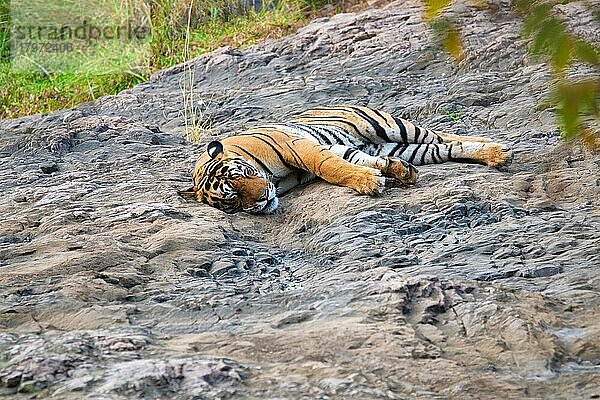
(574, 100)
(181, 29)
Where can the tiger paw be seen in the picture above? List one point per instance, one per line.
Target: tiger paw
(401, 170)
(493, 154)
(369, 182)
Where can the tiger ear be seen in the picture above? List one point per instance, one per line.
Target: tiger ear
(192, 192)
(214, 148)
(188, 192)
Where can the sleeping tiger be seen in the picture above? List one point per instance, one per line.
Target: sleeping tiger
(347, 145)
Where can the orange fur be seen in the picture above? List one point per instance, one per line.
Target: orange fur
(492, 155)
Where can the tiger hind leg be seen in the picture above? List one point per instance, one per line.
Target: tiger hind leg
(490, 154)
(406, 132)
(398, 130)
(448, 138)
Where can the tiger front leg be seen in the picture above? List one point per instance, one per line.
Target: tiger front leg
(312, 157)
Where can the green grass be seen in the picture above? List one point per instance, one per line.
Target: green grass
(24, 94)
(181, 30)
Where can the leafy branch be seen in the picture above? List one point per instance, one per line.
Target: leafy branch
(575, 101)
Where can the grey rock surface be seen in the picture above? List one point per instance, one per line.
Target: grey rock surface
(475, 283)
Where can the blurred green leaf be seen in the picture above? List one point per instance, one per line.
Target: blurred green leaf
(446, 31)
(534, 19)
(479, 4)
(547, 32)
(586, 52)
(448, 34)
(575, 100)
(561, 53)
(434, 8)
(522, 5)
(552, 41)
(453, 43)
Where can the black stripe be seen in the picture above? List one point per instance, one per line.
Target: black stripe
(348, 153)
(396, 147)
(321, 163)
(402, 129)
(437, 152)
(417, 133)
(325, 139)
(277, 152)
(379, 130)
(450, 152)
(297, 156)
(210, 169)
(424, 154)
(333, 131)
(426, 138)
(413, 155)
(202, 182)
(255, 159)
(341, 120)
(303, 128)
(380, 116)
(340, 137)
(312, 131)
(435, 138)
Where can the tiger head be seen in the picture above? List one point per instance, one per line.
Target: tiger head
(231, 184)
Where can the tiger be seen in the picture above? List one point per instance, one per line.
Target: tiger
(348, 145)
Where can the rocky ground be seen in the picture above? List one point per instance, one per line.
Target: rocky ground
(475, 283)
